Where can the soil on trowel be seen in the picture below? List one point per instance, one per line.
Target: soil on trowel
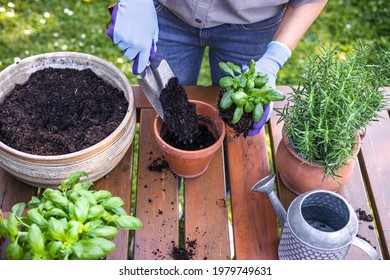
(182, 127)
(60, 111)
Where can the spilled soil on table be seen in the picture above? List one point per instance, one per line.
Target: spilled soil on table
(187, 253)
(60, 111)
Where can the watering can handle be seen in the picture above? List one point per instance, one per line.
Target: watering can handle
(366, 247)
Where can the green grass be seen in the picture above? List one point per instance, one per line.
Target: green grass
(34, 27)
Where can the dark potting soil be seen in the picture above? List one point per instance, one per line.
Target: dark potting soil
(158, 165)
(363, 216)
(182, 127)
(179, 253)
(60, 111)
(203, 139)
(242, 126)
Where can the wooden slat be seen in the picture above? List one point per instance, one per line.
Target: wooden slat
(353, 191)
(275, 130)
(118, 182)
(254, 221)
(376, 161)
(157, 199)
(13, 191)
(205, 212)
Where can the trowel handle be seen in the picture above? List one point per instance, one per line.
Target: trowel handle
(366, 247)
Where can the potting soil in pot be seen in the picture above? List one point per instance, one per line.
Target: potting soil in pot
(60, 111)
(182, 127)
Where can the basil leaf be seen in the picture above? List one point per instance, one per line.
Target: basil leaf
(113, 202)
(242, 82)
(102, 195)
(89, 196)
(261, 81)
(93, 249)
(72, 234)
(234, 67)
(4, 228)
(103, 231)
(258, 112)
(95, 212)
(81, 209)
(226, 69)
(275, 95)
(35, 217)
(71, 211)
(14, 251)
(34, 202)
(36, 239)
(226, 82)
(53, 249)
(226, 102)
(57, 197)
(248, 107)
(237, 114)
(13, 225)
(128, 222)
(56, 230)
(18, 208)
(72, 180)
(56, 212)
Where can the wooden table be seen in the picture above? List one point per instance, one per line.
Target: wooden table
(207, 204)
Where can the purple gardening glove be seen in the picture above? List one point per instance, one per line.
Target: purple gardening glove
(134, 28)
(273, 59)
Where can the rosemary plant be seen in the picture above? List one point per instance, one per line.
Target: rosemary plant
(336, 99)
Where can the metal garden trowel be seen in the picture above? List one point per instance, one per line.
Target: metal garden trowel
(153, 81)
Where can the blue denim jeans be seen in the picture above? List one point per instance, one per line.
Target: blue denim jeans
(183, 46)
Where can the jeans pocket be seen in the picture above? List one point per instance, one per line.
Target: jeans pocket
(158, 6)
(263, 25)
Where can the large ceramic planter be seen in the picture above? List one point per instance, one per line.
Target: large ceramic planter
(191, 164)
(97, 160)
(300, 176)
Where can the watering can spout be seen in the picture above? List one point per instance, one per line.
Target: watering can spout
(266, 186)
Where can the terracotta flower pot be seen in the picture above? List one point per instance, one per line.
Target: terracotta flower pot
(300, 176)
(191, 164)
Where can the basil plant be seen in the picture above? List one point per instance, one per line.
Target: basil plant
(72, 222)
(246, 90)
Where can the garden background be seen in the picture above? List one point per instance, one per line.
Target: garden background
(37, 26)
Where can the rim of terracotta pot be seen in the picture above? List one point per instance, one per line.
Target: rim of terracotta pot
(290, 147)
(68, 55)
(210, 149)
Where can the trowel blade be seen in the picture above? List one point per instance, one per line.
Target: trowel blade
(153, 82)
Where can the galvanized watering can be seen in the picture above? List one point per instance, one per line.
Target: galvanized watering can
(318, 225)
